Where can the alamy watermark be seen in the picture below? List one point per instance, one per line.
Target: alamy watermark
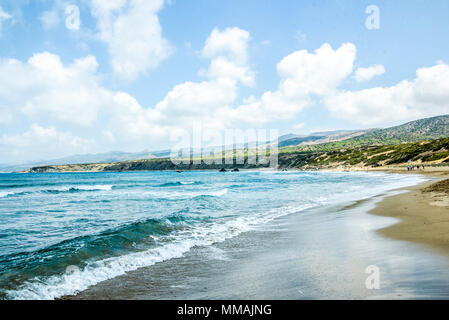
(73, 276)
(250, 147)
(372, 282)
(73, 20)
(372, 22)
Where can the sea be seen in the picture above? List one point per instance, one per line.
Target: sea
(63, 233)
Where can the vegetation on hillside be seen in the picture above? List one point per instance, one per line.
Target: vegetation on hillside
(369, 155)
(414, 131)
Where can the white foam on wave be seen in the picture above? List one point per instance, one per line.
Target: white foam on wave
(4, 194)
(85, 188)
(181, 242)
(185, 194)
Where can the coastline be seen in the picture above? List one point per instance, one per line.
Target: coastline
(422, 211)
(320, 253)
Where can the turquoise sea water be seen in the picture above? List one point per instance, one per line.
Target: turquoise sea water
(62, 233)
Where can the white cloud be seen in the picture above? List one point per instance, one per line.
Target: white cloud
(44, 88)
(50, 18)
(3, 16)
(426, 95)
(298, 126)
(303, 76)
(366, 74)
(204, 101)
(133, 34)
(47, 142)
(232, 42)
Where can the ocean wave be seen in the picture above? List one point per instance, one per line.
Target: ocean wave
(79, 188)
(180, 183)
(4, 194)
(186, 194)
(180, 242)
(61, 189)
(111, 242)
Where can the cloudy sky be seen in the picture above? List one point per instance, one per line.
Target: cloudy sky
(92, 76)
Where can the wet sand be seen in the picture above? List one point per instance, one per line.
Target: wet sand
(423, 212)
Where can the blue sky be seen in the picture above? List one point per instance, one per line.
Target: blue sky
(130, 100)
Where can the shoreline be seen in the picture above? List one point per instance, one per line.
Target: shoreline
(95, 168)
(422, 213)
(269, 257)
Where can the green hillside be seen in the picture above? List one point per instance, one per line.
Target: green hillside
(423, 129)
(429, 152)
(418, 130)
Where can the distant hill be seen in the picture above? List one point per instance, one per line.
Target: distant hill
(413, 131)
(113, 156)
(433, 152)
(430, 153)
(319, 137)
(418, 130)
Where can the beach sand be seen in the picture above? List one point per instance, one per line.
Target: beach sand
(423, 212)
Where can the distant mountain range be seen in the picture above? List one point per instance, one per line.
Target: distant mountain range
(418, 130)
(318, 137)
(413, 131)
(113, 156)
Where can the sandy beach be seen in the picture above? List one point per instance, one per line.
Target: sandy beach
(423, 211)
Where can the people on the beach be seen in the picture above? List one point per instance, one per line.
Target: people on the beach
(412, 167)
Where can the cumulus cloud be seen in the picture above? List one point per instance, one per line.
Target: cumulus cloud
(133, 35)
(303, 75)
(47, 142)
(426, 95)
(366, 74)
(44, 88)
(203, 101)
